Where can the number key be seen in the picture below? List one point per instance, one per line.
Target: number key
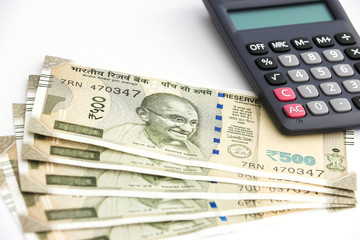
(352, 85)
(330, 88)
(311, 58)
(343, 70)
(320, 73)
(333, 55)
(298, 75)
(317, 108)
(289, 60)
(307, 91)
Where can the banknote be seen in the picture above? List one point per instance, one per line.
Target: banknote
(187, 124)
(59, 212)
(192, 229)
(42, 148)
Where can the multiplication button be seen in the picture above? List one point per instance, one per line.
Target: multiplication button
(353, 52)
(356, 101)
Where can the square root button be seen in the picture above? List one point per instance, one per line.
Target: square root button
(294, 110)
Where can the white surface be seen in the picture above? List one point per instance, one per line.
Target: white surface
(163, 39)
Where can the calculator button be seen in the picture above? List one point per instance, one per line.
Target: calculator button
(289, 60)
(307, 91)
(257, 48)
(330, 88)
(298, 75)
(275, 78)
(320, 73)
(352, 85)
(343, 70)
(285, 94)
(323, 41)
(311, 58)
(279, 46)
(301, 43)
(317, 108)
(345, 38)
(357, 67)
(356, 101)
(294, 110)
(333, 55)
(353, 52)
(266, 63)
(340, 105)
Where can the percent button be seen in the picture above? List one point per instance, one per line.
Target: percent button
(266, 63)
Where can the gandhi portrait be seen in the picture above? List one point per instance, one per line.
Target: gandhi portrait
(169, 123)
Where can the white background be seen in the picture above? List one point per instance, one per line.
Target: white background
(166, 39)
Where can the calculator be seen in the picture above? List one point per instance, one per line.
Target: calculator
(302, 58)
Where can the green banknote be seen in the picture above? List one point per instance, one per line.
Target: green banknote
(193, 229)
(59, 212)
(42, 148)
(180, 123)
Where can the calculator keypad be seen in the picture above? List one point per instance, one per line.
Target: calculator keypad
(321, 77)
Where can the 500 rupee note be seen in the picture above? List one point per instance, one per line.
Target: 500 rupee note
(42, 148)
(180, 123)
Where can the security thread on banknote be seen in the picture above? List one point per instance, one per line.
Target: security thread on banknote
(190, 125)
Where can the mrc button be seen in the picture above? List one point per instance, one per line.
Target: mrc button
(279, 46)
(257, 48)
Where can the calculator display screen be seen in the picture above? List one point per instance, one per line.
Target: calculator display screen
(280, 16)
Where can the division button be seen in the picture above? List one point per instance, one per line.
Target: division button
(257, 48)
(345, 38)
(317, 108)
(323, 41)
(353, 52)
(301, 43)
(275, 78)
(266, 63)
(294, 110)
(357, 67)
(340, 105)
(285, 94)
(279, 46)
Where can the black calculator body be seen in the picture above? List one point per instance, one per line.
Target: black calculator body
(302, 57)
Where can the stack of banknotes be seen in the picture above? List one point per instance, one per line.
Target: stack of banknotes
(101, 154)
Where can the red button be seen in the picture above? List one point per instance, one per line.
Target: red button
(295, 110)
(285, 94)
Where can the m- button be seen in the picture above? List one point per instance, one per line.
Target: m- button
(257, 48)
(301, 43)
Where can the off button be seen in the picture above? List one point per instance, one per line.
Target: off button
(257, 48)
